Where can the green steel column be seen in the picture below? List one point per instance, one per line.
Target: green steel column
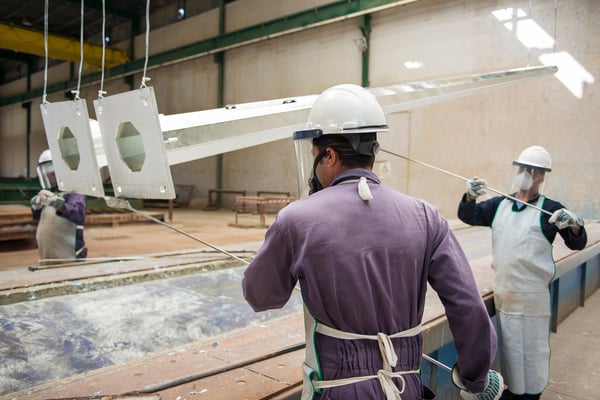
(27, 105)
(365, 27)
(220, 60)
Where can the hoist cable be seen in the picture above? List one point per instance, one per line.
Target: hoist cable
(144, 77)
(45, 51)
(101, 91)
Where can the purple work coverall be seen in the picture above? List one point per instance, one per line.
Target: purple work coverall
(363, 267)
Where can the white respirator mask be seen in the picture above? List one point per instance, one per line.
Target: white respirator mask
(523, 181)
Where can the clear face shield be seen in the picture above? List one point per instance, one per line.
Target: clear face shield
(47, 176)
(527, 182)
(305, 160)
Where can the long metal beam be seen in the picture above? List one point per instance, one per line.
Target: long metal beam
(195, 135)
(327, 14)
(32, 42)
(181, 138)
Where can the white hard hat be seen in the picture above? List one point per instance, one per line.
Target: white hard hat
(45, 156)
(346, 109)
(535, 157)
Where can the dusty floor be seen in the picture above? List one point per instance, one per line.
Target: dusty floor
(136, 238)
(131, 239)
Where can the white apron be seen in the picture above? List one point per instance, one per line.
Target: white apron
(523, 266)
(56, 236)
(312, 371)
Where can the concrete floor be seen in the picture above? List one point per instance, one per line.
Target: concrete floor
(575, 369)
(148, 237)
(575, 373)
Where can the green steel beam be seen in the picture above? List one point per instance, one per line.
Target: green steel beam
(330, 13)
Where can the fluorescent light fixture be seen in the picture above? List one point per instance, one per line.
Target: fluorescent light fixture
(413, 64)
(361, 44)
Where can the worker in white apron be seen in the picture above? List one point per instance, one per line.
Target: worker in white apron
(60, 217)
(523, 266)
(364, 255)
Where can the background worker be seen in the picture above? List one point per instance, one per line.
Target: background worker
(60, 216)
(363, 254)
(523, 266)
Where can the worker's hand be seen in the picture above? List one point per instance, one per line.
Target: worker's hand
(492, 391)
(36, 202)
(41, 199)
(476, 187)
(564, 218)
(45, 195)
(56, 201)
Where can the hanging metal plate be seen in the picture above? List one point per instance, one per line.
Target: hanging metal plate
(69, 133)
(133, 143)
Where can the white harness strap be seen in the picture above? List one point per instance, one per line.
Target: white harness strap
(390, 358)
(388, 354)
(384, 377)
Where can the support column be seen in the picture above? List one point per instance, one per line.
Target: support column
(365, 28)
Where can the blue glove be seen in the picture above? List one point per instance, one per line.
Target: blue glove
(493, 390)
(475, 187)
(56, 201)
(564, 218)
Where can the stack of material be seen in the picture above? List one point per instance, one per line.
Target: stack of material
(114, 218)
(16, 222)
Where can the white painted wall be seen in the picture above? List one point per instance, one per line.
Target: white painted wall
(476, 135)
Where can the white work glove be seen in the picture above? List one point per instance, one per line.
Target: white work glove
(564, 218)
(476, 187)
(41, 199)
(492, 391)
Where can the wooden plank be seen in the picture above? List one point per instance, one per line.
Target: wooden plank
(17, 230)
(14, 213)
(119, 218)
(260, 380)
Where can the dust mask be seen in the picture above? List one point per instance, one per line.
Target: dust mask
(523, 181)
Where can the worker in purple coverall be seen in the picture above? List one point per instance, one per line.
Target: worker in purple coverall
(363, 254)
(60, 216)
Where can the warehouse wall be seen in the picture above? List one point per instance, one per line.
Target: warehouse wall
(478, 134)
